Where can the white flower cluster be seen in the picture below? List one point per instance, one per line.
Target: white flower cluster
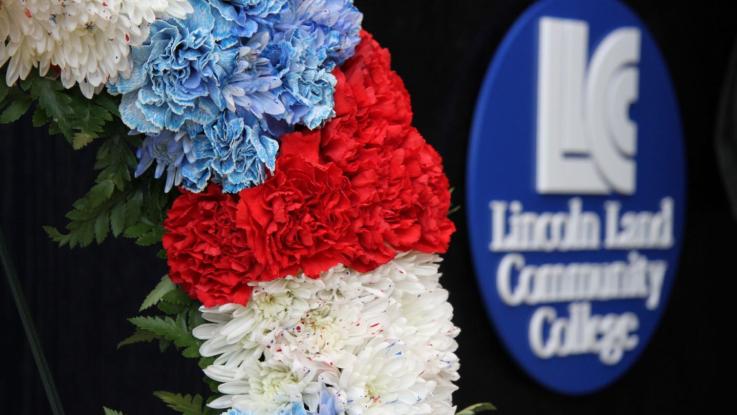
(381, 342)
(88, 40)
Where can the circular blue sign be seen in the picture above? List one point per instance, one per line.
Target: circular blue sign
(576, 180)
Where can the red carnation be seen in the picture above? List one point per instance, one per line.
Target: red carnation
(300, 219)
(208, 256)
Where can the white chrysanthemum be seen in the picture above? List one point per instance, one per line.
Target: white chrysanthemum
(384, 378)
(264, 387)
(383, 341)
(88, 40)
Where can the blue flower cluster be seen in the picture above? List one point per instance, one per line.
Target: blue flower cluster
(215, 91)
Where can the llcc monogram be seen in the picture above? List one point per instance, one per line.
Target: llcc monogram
(586, 142)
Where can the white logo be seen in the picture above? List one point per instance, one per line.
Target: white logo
(586, 141)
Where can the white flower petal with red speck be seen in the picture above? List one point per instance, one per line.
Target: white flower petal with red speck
(87, 40)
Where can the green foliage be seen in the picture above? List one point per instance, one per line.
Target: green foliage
(176, 302)
(65, 111)
(477, 408)
(13, 106)
(175, 330)
(185, 404)
(174, 327)
(171, 326)
(165, 286)
(116, 203)
(8, 96)
(138, 336)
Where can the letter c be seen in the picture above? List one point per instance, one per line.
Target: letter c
(512, 297)
(542, 349)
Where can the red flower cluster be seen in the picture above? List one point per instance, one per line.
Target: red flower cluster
(356, 192)
(401, 193)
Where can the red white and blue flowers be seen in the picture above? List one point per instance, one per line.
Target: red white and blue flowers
(310, 212)
(322, 280)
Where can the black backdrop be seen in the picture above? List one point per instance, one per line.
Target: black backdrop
(80, 298)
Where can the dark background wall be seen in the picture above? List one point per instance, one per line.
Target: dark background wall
(80, 298)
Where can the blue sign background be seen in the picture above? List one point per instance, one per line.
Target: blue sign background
(501, 166)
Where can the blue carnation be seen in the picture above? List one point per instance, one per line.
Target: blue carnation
(168, 151)
(179, 72)
(337, 21)
(254, 87)
(307, 85)
(310, 39)
(253, 16)
(229, 152)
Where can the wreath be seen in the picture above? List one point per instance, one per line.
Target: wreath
(268, 146)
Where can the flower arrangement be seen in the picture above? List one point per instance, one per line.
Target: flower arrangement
(269, 147)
